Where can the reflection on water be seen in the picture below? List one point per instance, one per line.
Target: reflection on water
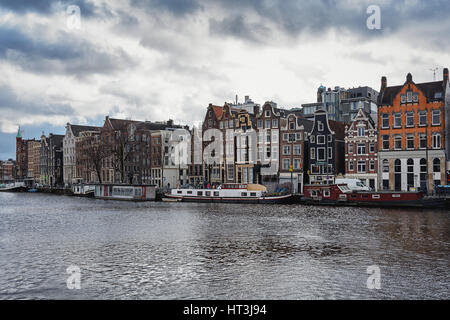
(217, 251)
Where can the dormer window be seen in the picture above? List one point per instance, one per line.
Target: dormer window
(361, 132)
(267, 113)
(291, 126)
(416, 97)
(403, 98)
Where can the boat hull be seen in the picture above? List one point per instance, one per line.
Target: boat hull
(286, 199)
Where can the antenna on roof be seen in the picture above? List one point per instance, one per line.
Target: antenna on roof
(434, 73)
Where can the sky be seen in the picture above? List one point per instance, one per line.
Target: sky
(160, 59)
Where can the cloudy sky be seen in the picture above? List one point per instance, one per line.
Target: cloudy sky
(160, 59)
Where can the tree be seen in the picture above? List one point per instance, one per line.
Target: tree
(96, 151)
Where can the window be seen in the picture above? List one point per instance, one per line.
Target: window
(315, 169)
(350, 148)
(372, 165)
(361, 132)
(330, 138)
(410, 142)
(403, 98)
(436, 117)
(416, 97)
(298, 136)
(285, 137)
(286, 164)
(320, 139)
(372, 147)
(436, 141)
(267, 124)
(267, 113)
(260, 123)
(275, 123)
(291, 137)
(410, 119)
(313, 139)
(385, 165)
(221, 124)
(268, 152)
(296, 163)
(291, 125)
(423, 165)
(313, 153)
(297, 149)
(330, 153)
(361, 166)
(409, 96)
(397, 142)
(422, 118)
(397, 166)
(351, 166)
(385, 120)
(320, 126)
(397, 120)
(268, 137)
(361, 149)
(252, 194)
(436, 165)
(231, 123)
(422, 141)
(243, 194)
(286, 150)
(321, 154)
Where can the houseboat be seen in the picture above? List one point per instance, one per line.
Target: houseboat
(83, 190)
(13, 187)
(341, 194)
(125, 192)
(230, 193)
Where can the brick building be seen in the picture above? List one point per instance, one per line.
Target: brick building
(361, 150)
(411, 134)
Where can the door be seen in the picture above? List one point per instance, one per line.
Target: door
(398, 182)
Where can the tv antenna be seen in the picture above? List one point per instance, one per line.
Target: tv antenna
(434, 73)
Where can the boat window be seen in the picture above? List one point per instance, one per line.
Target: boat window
(216, 193)
(326, 193)
(179, 192)
(395, 196)
(353, 195)
(375, 196)
(199, 193)
(313, 193)
(365, 196)
(252, 194)
(244, 194)
(207, 193)
(189, 192)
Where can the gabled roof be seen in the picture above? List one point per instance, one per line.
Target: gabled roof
(307, 124)
(429, 89)
(76, 129)
(120, 124)
(217, 111)
(338, 128)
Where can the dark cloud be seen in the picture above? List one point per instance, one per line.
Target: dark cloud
(65, 55)
(314, 17)
(46, 6)
(237, 26)
(176, 7)
(11, 104)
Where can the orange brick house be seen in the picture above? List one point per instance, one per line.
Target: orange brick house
(411, 134)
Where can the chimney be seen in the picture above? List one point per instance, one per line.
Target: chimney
(256, 109)
(383, 83)
(445, 76)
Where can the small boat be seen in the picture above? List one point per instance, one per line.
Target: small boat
(32, 190)
(230, 193)
(341, 194)
(83, 190)
(14, 187)
(125, 192)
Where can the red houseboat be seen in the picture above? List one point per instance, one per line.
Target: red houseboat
(340, 194)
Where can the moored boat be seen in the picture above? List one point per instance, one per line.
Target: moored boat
(340, 194)
(83, 190)
(125, 192)
(14, 187)
(230, 193)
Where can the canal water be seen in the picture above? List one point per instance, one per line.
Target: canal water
(218, 251)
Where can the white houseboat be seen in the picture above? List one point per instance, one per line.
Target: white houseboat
(125, 192)
(230, 193)
(83, 190)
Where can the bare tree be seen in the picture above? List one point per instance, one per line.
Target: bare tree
(96, 152)
(121, 151)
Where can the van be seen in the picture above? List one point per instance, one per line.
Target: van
(353, 184)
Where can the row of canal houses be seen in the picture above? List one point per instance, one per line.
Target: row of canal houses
(402, 145)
